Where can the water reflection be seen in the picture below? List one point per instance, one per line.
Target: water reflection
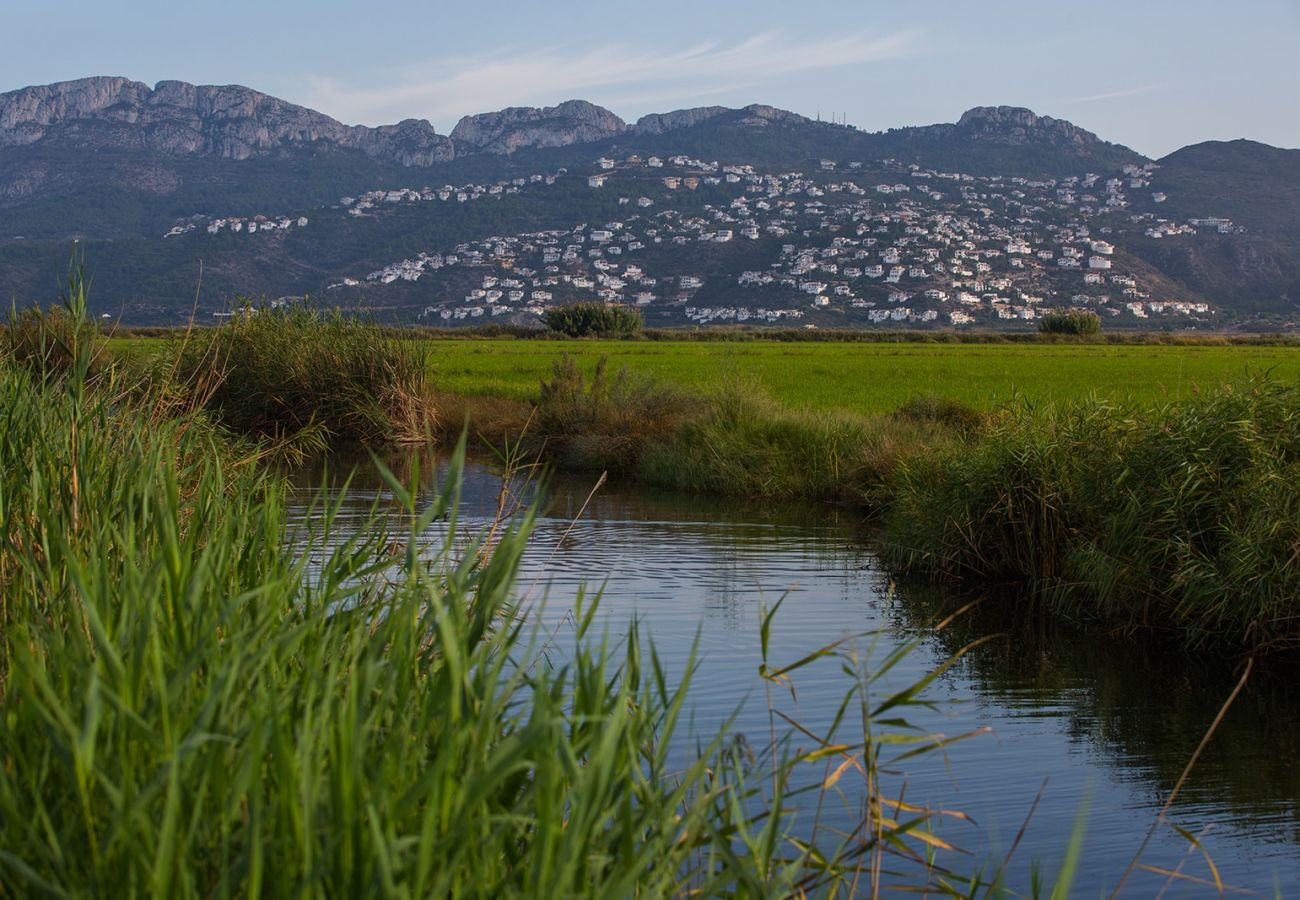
(1144, 707)
(1095, 718)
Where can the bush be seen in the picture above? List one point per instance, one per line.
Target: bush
(734, 440)
(604, 422)
(960, 417)
(590, 319)
(1073, 321)
(311, 376)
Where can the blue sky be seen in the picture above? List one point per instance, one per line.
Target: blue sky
(1153, 74)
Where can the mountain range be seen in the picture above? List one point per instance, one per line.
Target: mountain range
(115, 164)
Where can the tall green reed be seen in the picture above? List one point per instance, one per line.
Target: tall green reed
(1181, 519)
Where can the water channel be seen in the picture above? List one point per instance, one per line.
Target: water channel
(1088, 724)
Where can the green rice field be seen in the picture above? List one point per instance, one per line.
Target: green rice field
(875, 377)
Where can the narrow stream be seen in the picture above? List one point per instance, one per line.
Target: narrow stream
(1084, 723)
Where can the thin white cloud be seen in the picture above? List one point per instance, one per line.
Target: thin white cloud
(1114, 95)
(610, 73)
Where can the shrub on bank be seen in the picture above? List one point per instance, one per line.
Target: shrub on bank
(50, 341)
(733, 440)
(593, 319)
(960, 417)
(742, 443)
(310, 377)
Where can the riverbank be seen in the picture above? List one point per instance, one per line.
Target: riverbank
(1134, 489)
(1172, 518)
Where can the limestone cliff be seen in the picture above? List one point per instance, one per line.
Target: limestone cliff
(181, 119)
(528, 127)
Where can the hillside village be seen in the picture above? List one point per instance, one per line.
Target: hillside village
(847, 242)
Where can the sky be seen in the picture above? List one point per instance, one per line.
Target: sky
(1153, 74)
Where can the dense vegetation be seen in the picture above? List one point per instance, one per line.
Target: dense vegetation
(1178, 518)
(201, 700)
(1072, 321)
(593, 319)
(306, 376)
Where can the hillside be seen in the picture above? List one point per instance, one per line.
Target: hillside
(986, 220)
(1006, 140)
(1254, 259)
(1253, 184)
(109, 157)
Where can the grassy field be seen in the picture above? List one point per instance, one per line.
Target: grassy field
(872, 378)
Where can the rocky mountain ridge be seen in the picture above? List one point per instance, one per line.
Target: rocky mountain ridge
(1015, 125)
(528, 127)
(182, 119)
(233, 122)
(658, 123)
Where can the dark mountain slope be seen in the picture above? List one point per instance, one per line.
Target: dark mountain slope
(1253, 184)
(1256, 187)
(1005, 140)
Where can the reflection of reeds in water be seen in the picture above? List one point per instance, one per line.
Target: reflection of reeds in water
(1140, 705)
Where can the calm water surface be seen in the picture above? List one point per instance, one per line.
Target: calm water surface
(1097, 726)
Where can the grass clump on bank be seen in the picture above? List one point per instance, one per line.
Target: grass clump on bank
(308, 376)
(605, 421)
(1181, 519)
(730, 440)
(743, 443)
(48, 341)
